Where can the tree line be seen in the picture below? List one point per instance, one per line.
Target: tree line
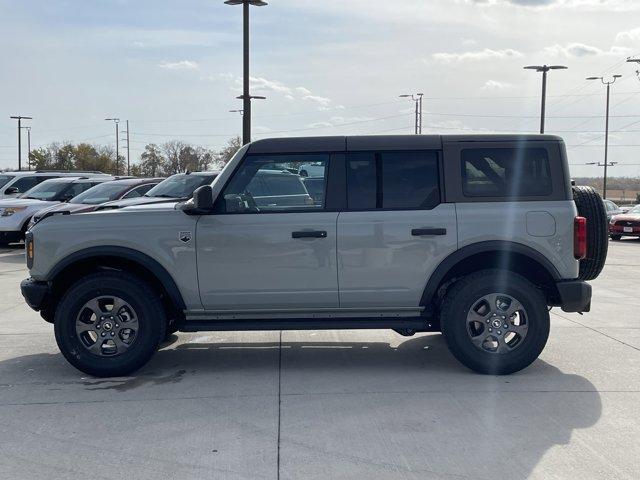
(157, 160)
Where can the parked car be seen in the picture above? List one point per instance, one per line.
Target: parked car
(625, 208)
(311, 170)
(472, 236)
(91, 199)
(16, 213)
(277, 188)
(14, 184)
(177, 187)
(626, 224)
(611, 208)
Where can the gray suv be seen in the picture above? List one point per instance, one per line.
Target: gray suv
(472, 236)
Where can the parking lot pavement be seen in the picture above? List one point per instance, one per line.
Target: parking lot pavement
(350, 404)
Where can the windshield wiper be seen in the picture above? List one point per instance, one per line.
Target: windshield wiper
(164, 195)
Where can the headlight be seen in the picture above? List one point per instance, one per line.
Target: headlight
(11, 210)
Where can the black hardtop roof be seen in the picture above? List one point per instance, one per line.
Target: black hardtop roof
(388, 142)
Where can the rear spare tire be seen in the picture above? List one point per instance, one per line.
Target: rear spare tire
(591, 207)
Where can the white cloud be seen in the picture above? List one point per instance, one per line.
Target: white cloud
(629, 36)
(181, 65)
(577, 50)
(496, 85)
(486, 54)
(607, 5)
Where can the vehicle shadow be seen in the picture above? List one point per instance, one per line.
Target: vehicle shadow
(437, 418)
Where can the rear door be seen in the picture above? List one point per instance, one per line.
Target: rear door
(395, 230)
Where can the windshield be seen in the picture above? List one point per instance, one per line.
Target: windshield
(48, 190)
(100, 193)
(635, 209)
(180, 186)
(4, 179)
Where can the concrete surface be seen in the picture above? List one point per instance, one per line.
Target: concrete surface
(328, 405)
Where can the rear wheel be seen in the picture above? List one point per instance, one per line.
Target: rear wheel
(495, 322)
(109, 324)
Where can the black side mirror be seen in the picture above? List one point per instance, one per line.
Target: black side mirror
(203, 198)
(11, 191)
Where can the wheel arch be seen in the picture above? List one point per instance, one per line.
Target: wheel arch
(511, 256)
(94, 259)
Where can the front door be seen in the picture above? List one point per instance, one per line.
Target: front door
(271, 245)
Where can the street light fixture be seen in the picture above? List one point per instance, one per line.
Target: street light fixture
(544, 69)
(417, 98)
(20, 118)
(606, 130)
(116, 121)
(246, 96)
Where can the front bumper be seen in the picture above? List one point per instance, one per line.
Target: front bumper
(575, 296)
(37, 294)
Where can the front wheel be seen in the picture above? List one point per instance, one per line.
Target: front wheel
(495, 322)
(109, 324)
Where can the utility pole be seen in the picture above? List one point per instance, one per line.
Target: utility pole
(637, 62)
(606, 130)
(20, 118)
(116, 121)
(246, 96)
(28, 129)
(128, 150)
(417, 98)
(544, 69)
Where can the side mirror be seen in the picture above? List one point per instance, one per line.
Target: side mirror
(11, 191)
(203, 198)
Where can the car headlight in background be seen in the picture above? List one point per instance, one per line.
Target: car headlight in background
(7, 212)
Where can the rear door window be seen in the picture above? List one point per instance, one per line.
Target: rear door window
(393, 180)
(506, 172)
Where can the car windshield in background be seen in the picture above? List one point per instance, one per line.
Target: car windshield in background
(100, 194)
(47, 190)
(179, 186)
(635, 209)
(4, 179)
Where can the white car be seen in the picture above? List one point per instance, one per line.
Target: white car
(14, 184)
(15, 213)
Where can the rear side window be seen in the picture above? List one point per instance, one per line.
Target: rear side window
(392, 180)
(25, 183)
(506, 172)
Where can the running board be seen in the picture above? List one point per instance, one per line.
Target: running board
(418, 324)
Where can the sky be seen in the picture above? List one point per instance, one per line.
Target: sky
(328, 67)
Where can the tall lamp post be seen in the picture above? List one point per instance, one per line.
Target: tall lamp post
(246, 96)
(544, 69)
(606, 130)
(116, 121)
(417, 98)
(20, 118)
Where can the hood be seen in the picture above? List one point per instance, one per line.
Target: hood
(25, 202)
(65, 207)
(633, 217)
(135, 201)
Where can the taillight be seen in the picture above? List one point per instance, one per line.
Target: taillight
(580, 238)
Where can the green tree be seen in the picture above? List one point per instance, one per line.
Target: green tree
(152, 161)
(228, 151)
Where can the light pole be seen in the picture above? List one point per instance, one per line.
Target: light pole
(20, 118)
(637, 62)
(246, 96)
(28, 129)
(544, 69)
(116, 121)
(606, 130)
(417, 98)
(241, 112)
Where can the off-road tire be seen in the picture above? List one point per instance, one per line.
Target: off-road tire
(149, 310)
(457, 303)
(591, 206)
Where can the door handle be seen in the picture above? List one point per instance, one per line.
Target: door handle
(309, 234)
(428, 232)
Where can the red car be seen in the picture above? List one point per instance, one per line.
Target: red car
(625, 225)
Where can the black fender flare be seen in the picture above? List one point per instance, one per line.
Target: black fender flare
(496, 246)
(142, 259)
